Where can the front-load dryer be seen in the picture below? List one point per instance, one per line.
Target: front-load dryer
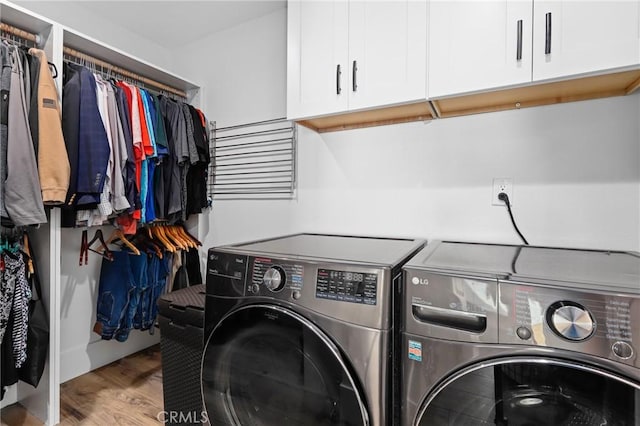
(299, 330)
(521, 336)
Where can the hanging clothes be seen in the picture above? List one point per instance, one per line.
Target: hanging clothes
(152, 153)
(5, 87)
(22, 352)
(22, 193)
(53, 161)
(93, 145)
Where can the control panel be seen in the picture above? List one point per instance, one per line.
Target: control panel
(592, 323)
(272, 277)
(355, 294)
(347, 286)
(451, 307)
(226, 274)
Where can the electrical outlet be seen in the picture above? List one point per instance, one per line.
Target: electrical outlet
(502, 185)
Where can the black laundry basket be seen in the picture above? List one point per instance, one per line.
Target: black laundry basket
(181, 318)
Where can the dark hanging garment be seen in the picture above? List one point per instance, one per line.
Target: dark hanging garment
(197, 175)
(193, 267)
(93, 145)
(34, 70)
(5, 88)
(176, 138)
(164, 160)
(71, 131)
(8, 370)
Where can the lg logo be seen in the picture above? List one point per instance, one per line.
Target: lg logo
(419, 281)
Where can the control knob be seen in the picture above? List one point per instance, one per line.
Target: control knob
(274, 279)
(570, 320)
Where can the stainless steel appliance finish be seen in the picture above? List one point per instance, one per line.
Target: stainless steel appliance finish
(300, 330)
(521, 335)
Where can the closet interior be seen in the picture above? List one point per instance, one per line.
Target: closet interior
(69, 290)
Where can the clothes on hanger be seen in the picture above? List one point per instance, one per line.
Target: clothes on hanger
(133, 278)
(16, 304)
(150, 154)
(34, 167)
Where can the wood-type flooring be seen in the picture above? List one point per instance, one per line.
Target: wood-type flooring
(127, 392)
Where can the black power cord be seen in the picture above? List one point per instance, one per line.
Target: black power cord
(505, 198)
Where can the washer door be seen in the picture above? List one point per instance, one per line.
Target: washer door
(532, 392)
(266, 365)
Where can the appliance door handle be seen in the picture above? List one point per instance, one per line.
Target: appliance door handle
(467, 321)
(354, 75)
(519, 44)
(547, 36)
(338, 75)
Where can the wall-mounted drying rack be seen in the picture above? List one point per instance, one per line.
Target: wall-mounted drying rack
(253, 161)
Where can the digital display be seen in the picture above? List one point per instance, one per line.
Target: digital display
(347, 286)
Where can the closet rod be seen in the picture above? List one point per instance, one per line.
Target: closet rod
(126, 73)
(25, 35)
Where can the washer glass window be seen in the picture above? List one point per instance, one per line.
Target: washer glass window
(545, 393)
(268, 366)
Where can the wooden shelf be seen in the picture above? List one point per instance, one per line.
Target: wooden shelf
(579, 89)
(90, 46)
(377, 117)
(575, 89)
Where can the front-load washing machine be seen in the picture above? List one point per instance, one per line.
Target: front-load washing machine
(521, 336)
(299, 330)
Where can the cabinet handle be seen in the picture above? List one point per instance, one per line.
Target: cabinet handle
(547, 37)
(338, 75)
(355, 72)
(519, 45)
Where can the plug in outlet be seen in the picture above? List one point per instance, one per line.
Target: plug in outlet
(502, 185)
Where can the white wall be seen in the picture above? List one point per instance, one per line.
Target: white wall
(576, 172)
(576, 167)
(74, 15)
(243, 71)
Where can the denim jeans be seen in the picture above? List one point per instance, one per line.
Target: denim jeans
(128, 293)
(138, 266)
(115, 290)
(147, 310)
(162, 272)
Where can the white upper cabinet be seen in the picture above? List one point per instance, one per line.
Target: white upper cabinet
(350, 55)
(482, 45)
(574, 37)
(317, 55)
(475, 45)
(388, 47)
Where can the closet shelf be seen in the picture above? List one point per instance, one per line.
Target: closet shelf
(123, 72)
(74, 41)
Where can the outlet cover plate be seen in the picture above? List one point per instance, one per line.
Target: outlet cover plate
(502, 185)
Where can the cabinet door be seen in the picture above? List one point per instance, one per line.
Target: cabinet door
(387, 44)
(585, 36)
(317, 51)
(478, 45)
